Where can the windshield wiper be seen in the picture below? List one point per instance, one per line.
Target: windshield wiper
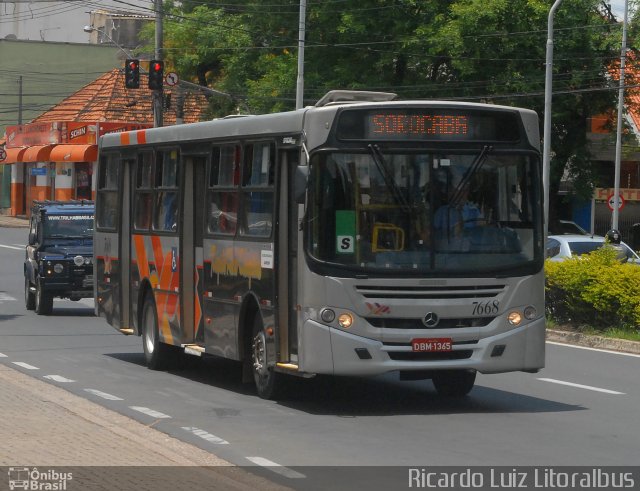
(466, 178)
(381, 164)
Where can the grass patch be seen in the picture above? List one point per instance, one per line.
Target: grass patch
(629, 334)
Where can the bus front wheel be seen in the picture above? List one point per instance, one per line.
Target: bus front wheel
(454, 383)
(156, 353)
(268, 382)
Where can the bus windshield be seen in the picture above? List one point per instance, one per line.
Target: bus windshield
(423, 212)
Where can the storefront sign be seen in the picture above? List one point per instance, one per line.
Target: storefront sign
(627, 194)
(39, 171)
(25, 135)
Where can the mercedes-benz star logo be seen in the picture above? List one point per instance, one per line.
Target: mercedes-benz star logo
(431, 319)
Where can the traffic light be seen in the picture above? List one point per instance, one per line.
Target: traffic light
(156, 76)
(132, 74)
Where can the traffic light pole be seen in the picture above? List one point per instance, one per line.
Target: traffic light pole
(157, 94)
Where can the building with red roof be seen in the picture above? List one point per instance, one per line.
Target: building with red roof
(55, 155)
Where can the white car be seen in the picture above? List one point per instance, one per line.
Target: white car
(561, 247)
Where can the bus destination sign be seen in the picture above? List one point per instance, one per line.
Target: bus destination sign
(427, 125)
(407, 125)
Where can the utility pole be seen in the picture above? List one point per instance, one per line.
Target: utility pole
(546, 152)
(20, 99)
(616, 184)
(157, 94)
(301, 35)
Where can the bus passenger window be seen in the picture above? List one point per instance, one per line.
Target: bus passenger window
(143, 206)
(223, 212)
(258, 209)
(258, 165)
(166, 214)
(108, 191)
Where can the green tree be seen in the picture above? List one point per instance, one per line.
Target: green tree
(477, 50)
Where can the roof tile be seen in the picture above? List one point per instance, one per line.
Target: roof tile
(107, 99)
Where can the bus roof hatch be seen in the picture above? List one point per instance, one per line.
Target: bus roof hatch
(355, 96)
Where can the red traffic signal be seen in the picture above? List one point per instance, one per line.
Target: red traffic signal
(156, 75)
(132, 74)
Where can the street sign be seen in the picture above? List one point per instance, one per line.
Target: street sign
(39, 171)
(171, 78)
(3, 154)
(611, 202)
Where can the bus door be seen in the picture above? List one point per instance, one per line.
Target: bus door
(123, 281)
(191, 252)
(287, 264)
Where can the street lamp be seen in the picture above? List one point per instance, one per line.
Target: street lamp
(546, 139)
(104, 33)
(616, 184)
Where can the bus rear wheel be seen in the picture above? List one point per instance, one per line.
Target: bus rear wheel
(268, 382)
(454, 383)
(156, 353)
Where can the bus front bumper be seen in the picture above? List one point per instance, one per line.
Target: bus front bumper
(326, 350)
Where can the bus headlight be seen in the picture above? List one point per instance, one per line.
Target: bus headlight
(345, 321)
(327, 315)
(58, 268)
(514, 318)
(530, 312)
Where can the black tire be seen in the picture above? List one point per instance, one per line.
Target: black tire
(44, 301)
(29, 296)
(156, 353)
(269, 384)
(454, 383)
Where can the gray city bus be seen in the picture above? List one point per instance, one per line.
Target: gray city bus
(359, 236)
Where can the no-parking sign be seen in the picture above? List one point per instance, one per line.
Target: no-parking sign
(611, 202)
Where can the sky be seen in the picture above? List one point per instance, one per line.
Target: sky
(618, 8)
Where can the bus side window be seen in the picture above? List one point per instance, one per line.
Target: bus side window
(143, 204)
(257, 182)
(108, 180)
(165, 217)
(222, 195)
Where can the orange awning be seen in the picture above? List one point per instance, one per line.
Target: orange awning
(74, 153)
(37, 153)
(13, 155)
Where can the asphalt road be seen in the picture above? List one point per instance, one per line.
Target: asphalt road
(581, 410)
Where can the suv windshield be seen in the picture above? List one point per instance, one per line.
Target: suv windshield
(68, 226)
(384, 210)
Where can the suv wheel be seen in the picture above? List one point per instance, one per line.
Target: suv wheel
(44, 300)
(29, 296)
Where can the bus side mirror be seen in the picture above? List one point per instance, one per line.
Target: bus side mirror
(301, 179)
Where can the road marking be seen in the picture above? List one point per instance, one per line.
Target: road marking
(205, 436)
(104, 395)
(25, 365)
(6, 298)
(2, 355)
(12, 247)
(277, 468)
(580, 386)
(149, 412)
(594, 349)
(58, 378)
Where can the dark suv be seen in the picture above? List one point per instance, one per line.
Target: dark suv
(59, 257)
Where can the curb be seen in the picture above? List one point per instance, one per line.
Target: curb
(11, 222)
(592, 341)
